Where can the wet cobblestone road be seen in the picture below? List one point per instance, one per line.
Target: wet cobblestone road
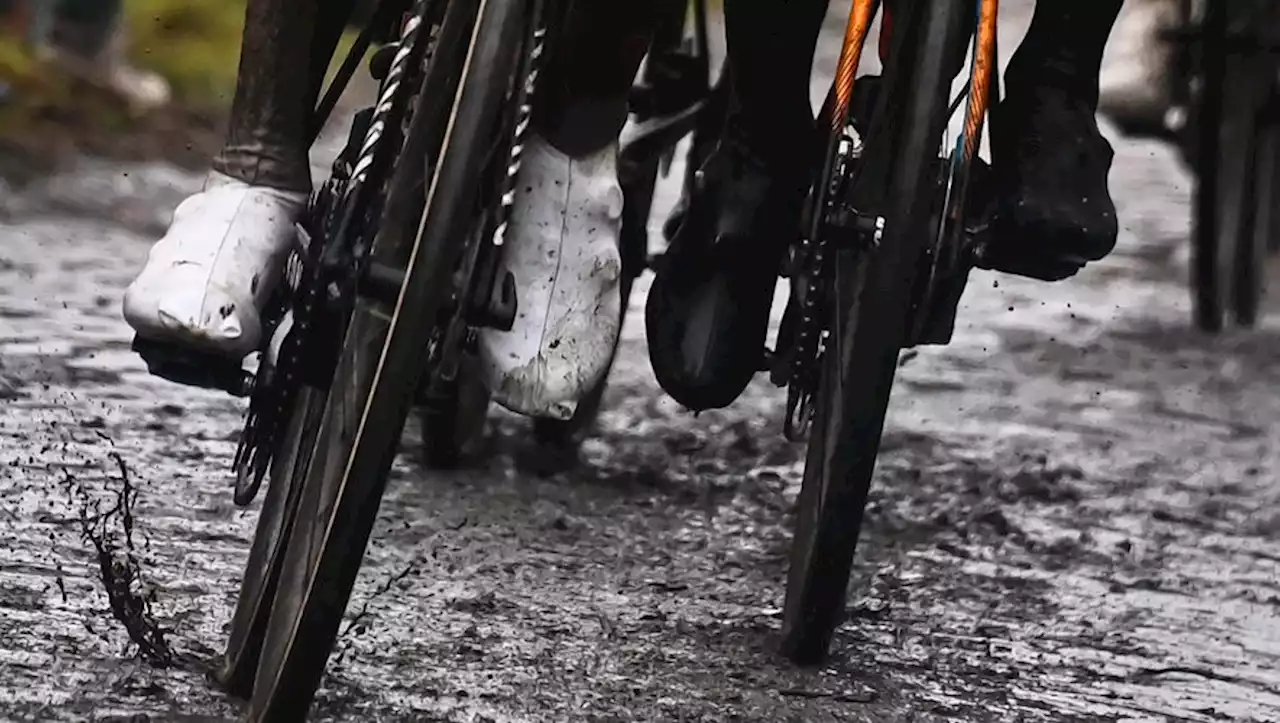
(1075, 515)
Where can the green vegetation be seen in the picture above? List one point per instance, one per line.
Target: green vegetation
(194, 44)
(47, 115)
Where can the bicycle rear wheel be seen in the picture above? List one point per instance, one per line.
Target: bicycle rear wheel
(384, 347)
(1224, 279)
(897, 181)
(1261, 228)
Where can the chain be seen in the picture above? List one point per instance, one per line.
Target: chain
(390, 89)
(523, 114)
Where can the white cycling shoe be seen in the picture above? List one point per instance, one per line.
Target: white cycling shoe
(562, 249)
(1135, 81)
(206, 282)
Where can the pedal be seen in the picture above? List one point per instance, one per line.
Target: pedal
(193, 368)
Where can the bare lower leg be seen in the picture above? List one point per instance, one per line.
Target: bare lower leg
(582, 102)
(286, 48)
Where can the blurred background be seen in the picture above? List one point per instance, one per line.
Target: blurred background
(106, 76)
(126, 79)
(87, 39)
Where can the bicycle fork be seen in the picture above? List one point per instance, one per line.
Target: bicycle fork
(834, 226)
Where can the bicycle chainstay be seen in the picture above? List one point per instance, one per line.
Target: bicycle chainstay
(304, 324)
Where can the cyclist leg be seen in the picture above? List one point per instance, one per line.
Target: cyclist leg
(708, 309)
(562, 244)
(1049, 159)
(206, 280)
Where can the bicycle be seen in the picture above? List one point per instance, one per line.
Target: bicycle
(1228, 79)
(396, 265)
(346, 284)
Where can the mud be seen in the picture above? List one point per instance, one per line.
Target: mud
(1074, 516)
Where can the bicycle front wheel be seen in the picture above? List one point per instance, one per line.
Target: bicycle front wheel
(381, 359)
(898, 181)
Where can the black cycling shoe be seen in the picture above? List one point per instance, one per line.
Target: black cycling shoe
(708, 309)
(1054, 213)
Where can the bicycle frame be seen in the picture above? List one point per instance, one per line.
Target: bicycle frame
(950, 252)
(956, 245)
(982, 88)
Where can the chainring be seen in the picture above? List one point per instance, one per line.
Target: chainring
(813, 274)
(809, 312)
(307, 320)
(290, 328)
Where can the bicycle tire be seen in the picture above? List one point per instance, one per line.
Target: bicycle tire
(894, 181)
(238, 667)
(452, 427)
(372, 391)
(237, 670)
(1224, 133)
(1272, 235)
(1261, 227)
(1262, 196)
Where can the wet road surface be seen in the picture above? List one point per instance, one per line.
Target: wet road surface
(1074, 515)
